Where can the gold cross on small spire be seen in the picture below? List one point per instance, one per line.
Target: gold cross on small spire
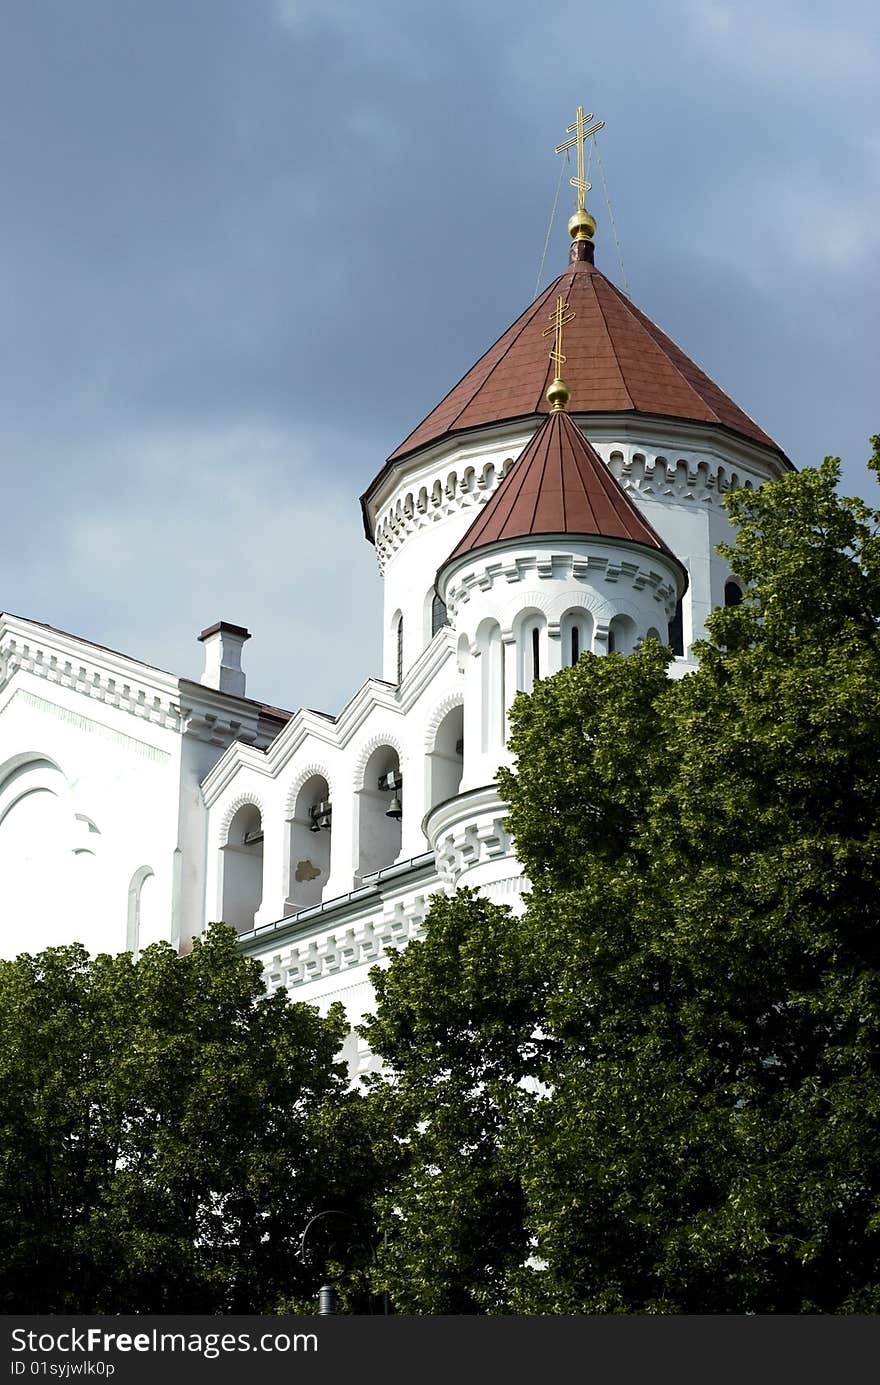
(558, 393)
(580, 136)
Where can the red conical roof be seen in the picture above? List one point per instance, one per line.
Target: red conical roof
(617, 361)
(560, 485)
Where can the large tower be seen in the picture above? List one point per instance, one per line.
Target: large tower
(671, 438)
(542, 522)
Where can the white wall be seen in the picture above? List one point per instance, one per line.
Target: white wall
(111, 809)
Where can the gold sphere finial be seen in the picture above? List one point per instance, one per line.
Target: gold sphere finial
(558, 394)
(581, 226)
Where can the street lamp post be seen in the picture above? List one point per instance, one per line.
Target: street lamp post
(328, 1299)
(328, 1302)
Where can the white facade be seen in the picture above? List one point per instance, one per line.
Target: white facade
(135, 805)
(102, 818)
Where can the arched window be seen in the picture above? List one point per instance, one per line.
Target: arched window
(732, 592)
(400, 649)
(676, 630)
(530, 651)
(576, 630)
(439, 615)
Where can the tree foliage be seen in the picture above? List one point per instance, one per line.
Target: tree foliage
(166, 1130)
(659, 1089)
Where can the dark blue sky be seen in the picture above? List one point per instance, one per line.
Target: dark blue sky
(245, 248)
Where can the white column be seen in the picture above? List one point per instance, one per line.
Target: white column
(274, 893)
(554, 649)
(343, 840)
(508, 642)
(473, 719)
(415, 804)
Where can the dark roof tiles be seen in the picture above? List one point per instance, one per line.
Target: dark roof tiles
(617, 360)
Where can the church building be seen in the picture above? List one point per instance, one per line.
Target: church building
(550, 505)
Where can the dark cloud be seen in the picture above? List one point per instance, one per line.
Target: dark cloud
(264, 240)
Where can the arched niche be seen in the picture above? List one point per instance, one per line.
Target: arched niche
(446, 758)
(378, 835)
(36, 870)
(51, 890)
(146, 923)
(310, 833)
(242, 855)
(733, 592)
(622, 635)
(491, 658)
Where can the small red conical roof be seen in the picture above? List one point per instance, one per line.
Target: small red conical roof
(618, 361)
(560, 485)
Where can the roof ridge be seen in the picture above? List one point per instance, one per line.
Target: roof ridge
(537, 498)
(587, 500)
(623, 380)
(562, 474)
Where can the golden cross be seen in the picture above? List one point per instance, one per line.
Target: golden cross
(581, 135)
(560, 316)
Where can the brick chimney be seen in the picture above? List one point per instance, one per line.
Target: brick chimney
(223, 643)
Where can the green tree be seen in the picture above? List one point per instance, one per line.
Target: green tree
(682, 1104)
(166, 1130)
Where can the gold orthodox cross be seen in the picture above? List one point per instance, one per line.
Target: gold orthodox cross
(558, 393)
(560, 316)
(580, 136)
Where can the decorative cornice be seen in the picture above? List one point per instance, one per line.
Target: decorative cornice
(113, 682)
(475, 449)
(127, 685)
(466, 831)
(647, 433)
(682, 462)
(678, 479)
(420, 505)
(361, 944)
(351, 933)
(598, 561)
